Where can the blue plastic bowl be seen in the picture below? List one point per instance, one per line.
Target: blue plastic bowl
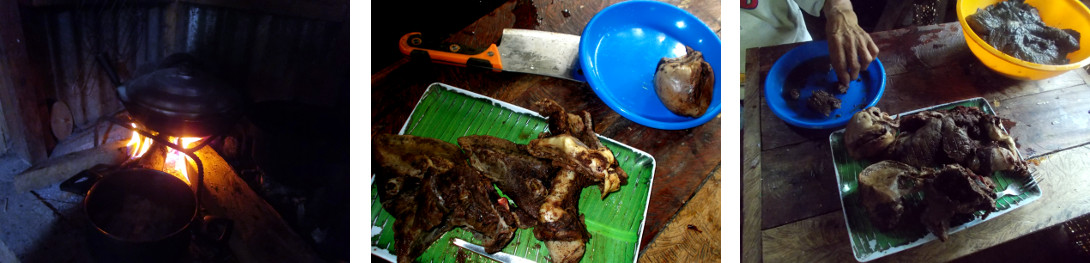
(807, 68)
(622, 45)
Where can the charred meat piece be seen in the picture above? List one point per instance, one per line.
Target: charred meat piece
(1015, 28)
(426, 185)
(882, 187)
(572, 144)
(919, 141)
(955, 190)
(561, 121)
(469, 201)
(993, 157)
(823, 102)
(686, 84)
(569, 153)
(561, 226)
(841, 88)
(961, 135)
(793, 94)
(521, 176)
(869, 133)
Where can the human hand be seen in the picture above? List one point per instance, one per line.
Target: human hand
(850, 48)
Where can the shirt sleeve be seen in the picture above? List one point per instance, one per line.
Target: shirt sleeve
(812, 7)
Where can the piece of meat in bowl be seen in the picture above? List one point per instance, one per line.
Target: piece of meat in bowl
(822, 102)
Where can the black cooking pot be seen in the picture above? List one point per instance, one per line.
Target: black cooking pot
(179, 98)
(141, 215)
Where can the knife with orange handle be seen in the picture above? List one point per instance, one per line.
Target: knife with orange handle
(520, 50)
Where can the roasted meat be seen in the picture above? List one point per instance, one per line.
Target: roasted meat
(955, 190)
(961, 135)
(1016, 29)
(822, 102)
(572, 144)
(882, 187)
(919, 141)
(569, 153)
(561, 226)
(430, 186)
(869, 133)
(429, 189)
(947, 153)
(469, 201)
(685, 85)
(521, 176)
(574, 148)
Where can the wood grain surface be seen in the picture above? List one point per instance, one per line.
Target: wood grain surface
(1066, 196)
(685, 157)
(925, 66)
(800, 212)
(693, 235)
(259, 235)
(751, 167)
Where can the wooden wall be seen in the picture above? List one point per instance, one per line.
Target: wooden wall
(271, 50)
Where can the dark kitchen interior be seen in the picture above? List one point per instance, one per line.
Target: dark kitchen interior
(279, 171)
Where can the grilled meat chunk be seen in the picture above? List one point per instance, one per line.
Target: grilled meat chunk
(561, 226)
(685, 85)
(521, 176)
(823, 102)
(869, 133)
(919, 141)
(955, 190)
(426, 185)
(572, 144)
(574, 148)
(961, 135)
(882, 187)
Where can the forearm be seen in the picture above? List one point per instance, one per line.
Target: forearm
(837, 7)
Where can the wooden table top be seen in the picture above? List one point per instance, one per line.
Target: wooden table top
(791, 207)
(686, 158)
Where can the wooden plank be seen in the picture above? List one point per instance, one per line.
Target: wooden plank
(751, 165)
(693, 235)
(58, 169)
(1049, 121)
(824, 238)
(801, 185)
(818, 239)
(23, 106)
(260, 234)
(329, 10)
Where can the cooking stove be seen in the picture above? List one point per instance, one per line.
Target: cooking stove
(274, 218)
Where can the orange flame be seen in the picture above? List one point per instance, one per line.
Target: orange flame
(178, 161)
(175, 163)
(138, 145)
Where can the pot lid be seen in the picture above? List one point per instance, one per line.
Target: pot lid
(179, 91)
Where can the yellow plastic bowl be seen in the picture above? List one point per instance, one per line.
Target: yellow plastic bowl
(1061, 14)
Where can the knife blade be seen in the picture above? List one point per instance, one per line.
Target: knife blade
(520, 50)
(498, 256)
